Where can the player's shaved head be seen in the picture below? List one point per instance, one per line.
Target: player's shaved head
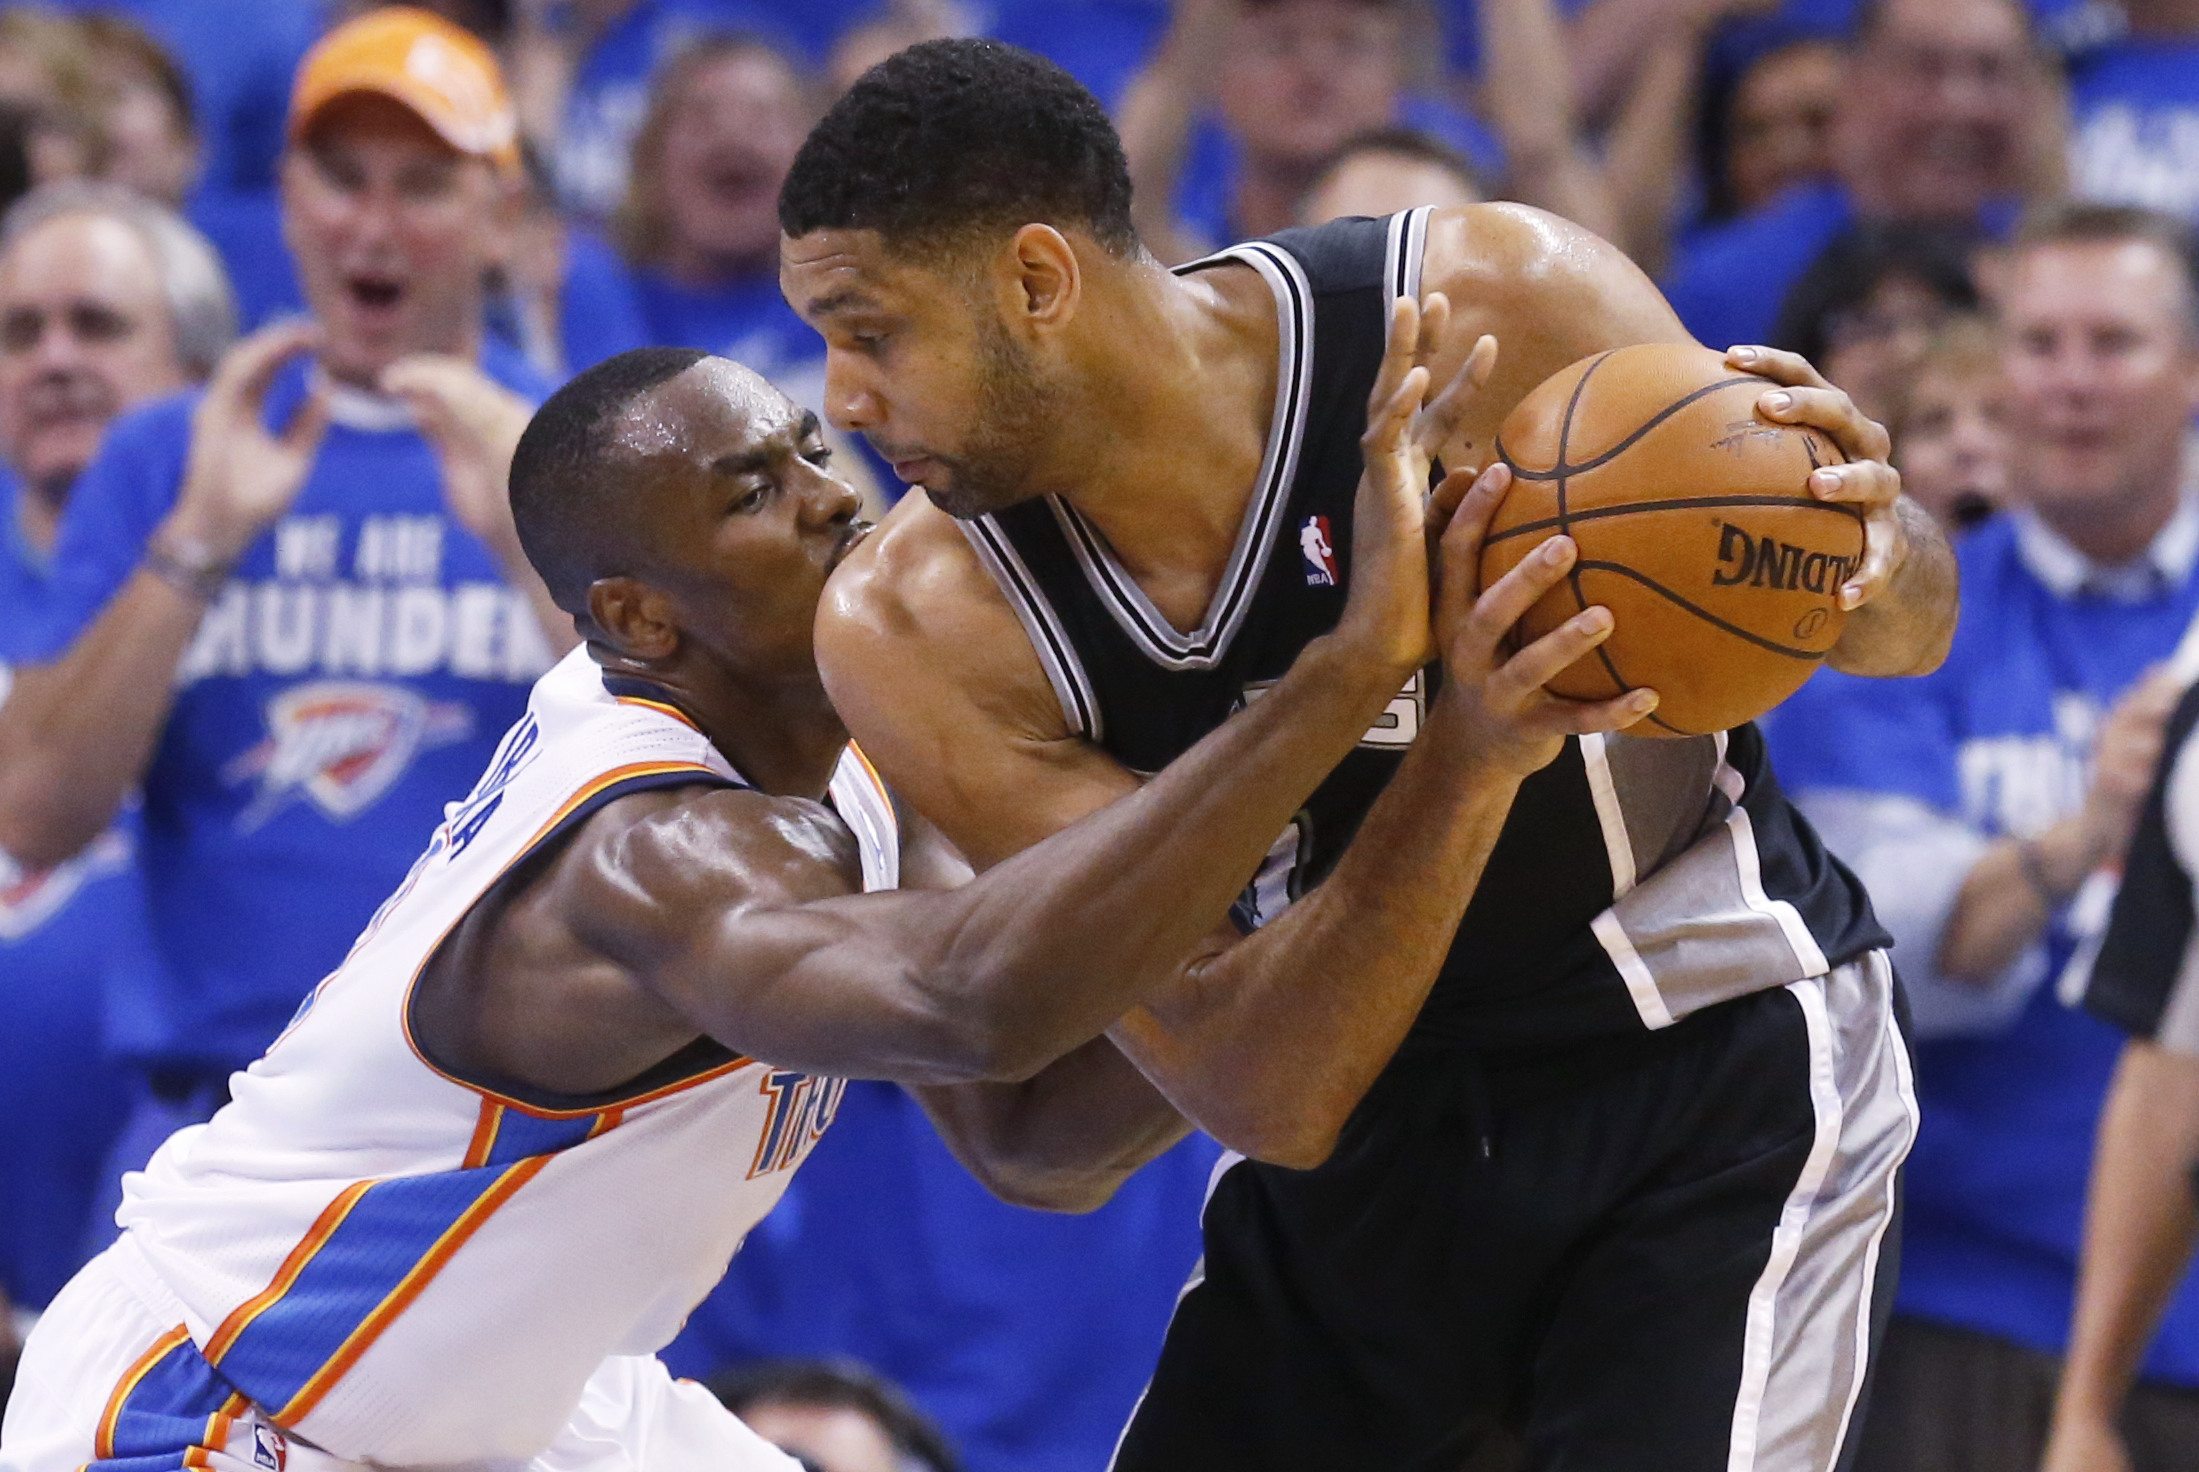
(572, 489)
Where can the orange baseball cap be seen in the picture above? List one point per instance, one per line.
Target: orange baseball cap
(438, 70)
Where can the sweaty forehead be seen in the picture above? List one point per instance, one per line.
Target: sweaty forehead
(712, 409)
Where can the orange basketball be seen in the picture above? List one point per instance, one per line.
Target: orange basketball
(1722, 572)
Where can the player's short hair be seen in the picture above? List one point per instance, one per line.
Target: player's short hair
(202, 309)
(952, 141)
(2078, 223)
(563, 493)
(839, 1384)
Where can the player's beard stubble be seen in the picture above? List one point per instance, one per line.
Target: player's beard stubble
(991, 469)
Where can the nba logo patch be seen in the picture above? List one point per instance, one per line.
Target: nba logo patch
(1313, 540)
(267, 1447)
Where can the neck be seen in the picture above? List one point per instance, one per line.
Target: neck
(1186, 368)
(786, 739)
(2113, 534)
(358, 373)
(38, 510)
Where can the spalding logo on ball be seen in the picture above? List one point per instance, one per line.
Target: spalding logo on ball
(1695, 527)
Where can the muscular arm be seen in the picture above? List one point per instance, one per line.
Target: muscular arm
(76, 735)
(1267, 1041)
(2140, 1228)
(1552, 293)
(722, 907)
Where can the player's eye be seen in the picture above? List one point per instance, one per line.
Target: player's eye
(818, 455)
(750, 501)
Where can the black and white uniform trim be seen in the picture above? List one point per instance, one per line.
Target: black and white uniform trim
(2146, 978)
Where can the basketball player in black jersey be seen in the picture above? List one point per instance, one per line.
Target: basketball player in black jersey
(1591, 1127)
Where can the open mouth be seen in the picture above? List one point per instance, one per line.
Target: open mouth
(375, 293)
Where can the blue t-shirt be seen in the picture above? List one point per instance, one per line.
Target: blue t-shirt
(2134, 135)
(64, 935)
(599, 313)
(355, 673)
(1729, 280)
(748, 321)
(1029, 1335)
(2000, 737)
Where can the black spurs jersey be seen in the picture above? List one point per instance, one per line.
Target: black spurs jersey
(1636, 880)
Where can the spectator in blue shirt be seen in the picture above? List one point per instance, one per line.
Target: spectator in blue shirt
(617, 49)
(1939, 124)
(700, 225)
(1988, 805)
(293, 608)
(2134, 105)
(106, 300)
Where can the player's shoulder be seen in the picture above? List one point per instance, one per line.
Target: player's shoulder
(1523, 273)
(656, 855)
(913, 613)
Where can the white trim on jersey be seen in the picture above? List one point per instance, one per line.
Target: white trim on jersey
(1050, 641)
(1204, 647)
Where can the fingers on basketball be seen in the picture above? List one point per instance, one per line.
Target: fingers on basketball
(1696, 527)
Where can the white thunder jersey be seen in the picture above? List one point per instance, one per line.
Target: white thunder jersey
(406, 1268)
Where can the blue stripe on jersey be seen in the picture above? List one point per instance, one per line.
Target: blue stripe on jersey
(392, 1226)
(519, 1134)
(169, 1410)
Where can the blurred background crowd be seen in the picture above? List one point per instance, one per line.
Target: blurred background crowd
(235, 714)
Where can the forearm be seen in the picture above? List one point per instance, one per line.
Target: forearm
(1604, 44)
(1157, 113)
(1646, 153)
(77, 735)
(1907, 629)
(2140, 1226)
(1062, 1140)
(1269, 1045)
(1061, 939)
(1528, 101)
(2008, 899)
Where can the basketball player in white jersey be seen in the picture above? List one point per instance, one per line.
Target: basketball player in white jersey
(515, 1137)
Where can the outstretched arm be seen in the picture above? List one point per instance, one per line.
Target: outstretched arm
(2140, 1227)
(721, 907)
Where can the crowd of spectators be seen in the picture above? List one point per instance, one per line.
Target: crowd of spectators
(268, 332)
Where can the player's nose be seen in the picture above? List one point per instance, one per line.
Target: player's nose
(851, 405)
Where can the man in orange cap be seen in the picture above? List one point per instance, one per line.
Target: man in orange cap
(292, 609)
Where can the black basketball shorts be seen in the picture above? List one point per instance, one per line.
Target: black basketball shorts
(1666, 1253)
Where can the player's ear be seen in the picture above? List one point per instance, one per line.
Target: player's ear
(633, 618)
(1044, 281)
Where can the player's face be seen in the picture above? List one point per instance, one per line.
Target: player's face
(2103, 371)
(920, 364)
(84, 334)
(746, 519)
(392, 230)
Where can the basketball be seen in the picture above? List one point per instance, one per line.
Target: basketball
(1695, 528)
